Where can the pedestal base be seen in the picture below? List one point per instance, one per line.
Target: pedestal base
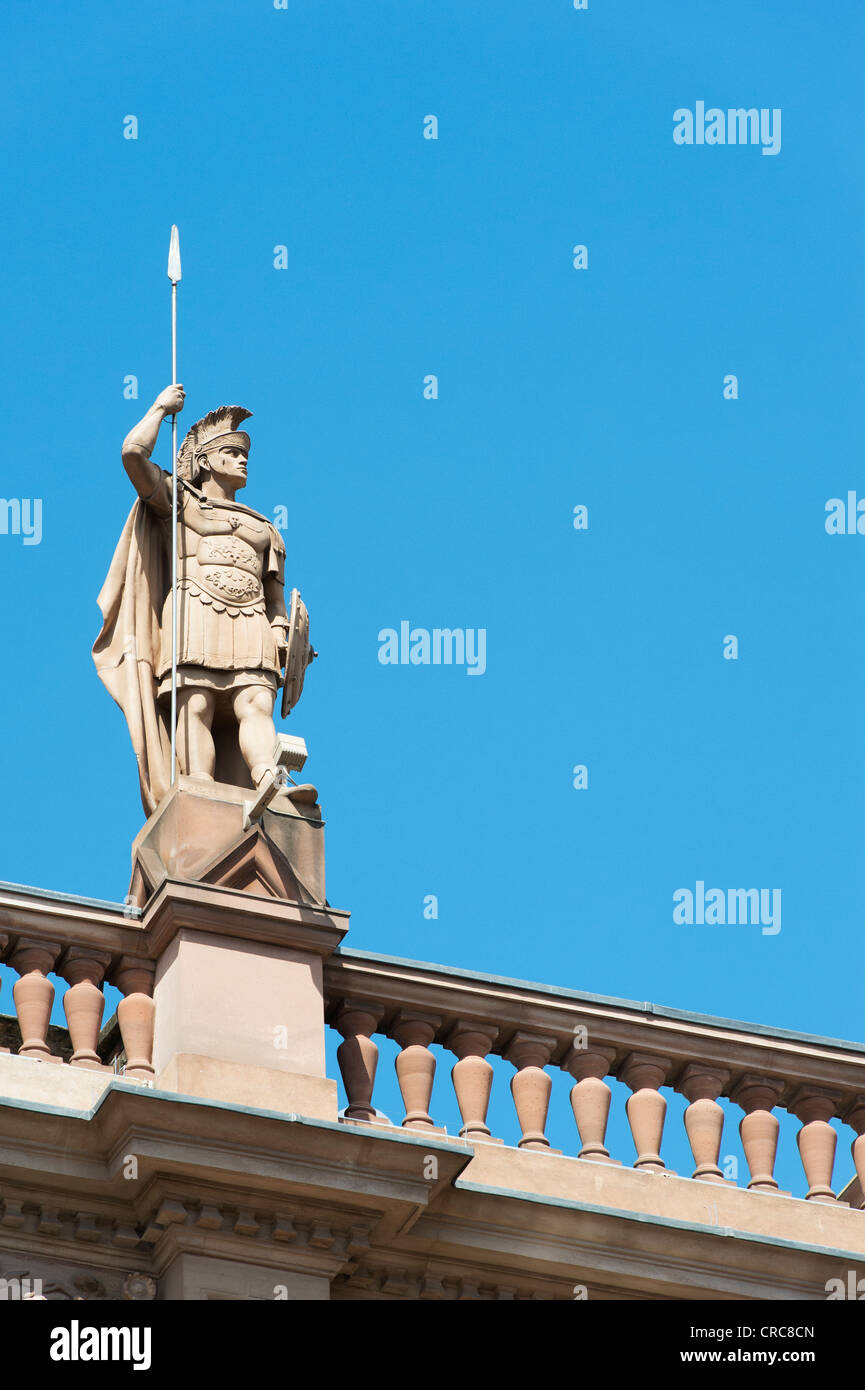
(238, 925)
(261, 1088)
(198, 832)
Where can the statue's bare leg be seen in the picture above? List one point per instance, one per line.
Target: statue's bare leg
(196, 751)
(253, 708)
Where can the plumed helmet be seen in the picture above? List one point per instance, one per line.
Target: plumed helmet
(217, 429)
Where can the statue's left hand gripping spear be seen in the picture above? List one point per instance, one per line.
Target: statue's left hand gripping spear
(174, 276)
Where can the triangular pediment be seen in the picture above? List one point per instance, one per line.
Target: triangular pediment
(254, 865)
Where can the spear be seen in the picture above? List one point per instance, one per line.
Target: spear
(174, 277)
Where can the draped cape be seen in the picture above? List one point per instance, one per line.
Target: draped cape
(126, 652)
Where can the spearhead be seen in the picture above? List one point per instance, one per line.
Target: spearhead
(174, 257)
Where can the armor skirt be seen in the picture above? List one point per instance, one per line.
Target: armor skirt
(222, 638)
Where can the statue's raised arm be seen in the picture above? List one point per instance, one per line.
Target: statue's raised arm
(141, 441)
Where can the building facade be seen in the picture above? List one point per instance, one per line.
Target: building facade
(195, 1146)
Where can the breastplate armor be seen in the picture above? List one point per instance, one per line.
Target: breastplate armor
(221, 552)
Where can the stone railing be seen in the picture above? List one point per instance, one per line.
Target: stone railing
(534, 1027)
(90, 943)
(87, 943)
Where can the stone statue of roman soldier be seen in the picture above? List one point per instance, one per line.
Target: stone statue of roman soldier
(233, 628)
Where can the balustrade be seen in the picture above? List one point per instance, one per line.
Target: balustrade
(650, 1050)
(476, 1018)
(85, 947)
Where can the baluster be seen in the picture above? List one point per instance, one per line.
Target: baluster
(357, 1055)
(590, 1099)
(531, 1086)
(816, 1140)
(855, 1117)
(84, 1003)
(415, 1065)
(704, 1118)
(758, 1095)
(472, 1075)
(33, 993)
(646, 1108)
(135, 1014)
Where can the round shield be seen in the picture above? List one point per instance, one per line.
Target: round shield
(298, 653)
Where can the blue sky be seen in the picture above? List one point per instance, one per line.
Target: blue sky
(557, 387)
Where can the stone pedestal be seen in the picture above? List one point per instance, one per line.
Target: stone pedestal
(199, 832)
(239, 928)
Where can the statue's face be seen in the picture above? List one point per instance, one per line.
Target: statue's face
(229, 465)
